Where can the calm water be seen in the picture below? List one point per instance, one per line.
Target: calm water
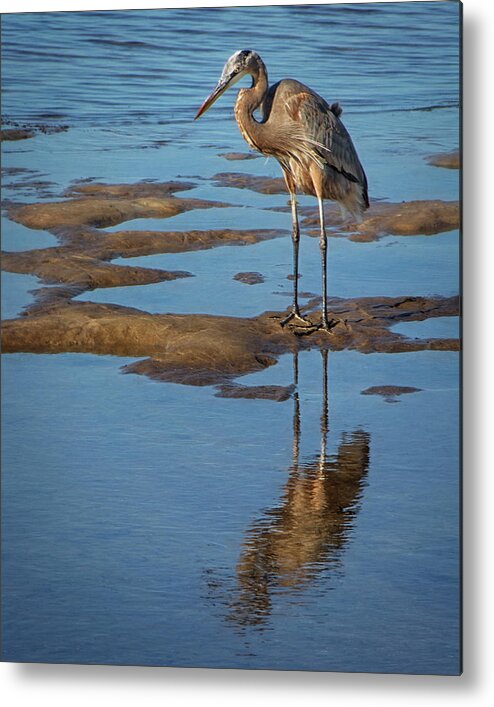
(154, 523)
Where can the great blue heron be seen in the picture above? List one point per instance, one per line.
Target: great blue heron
(306, 136)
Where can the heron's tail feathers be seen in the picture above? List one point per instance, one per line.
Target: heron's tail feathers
(351, 216)
(354, 203)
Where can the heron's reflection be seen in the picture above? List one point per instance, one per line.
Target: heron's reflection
(307, 532)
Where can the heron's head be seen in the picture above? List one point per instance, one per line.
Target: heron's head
(238, 65)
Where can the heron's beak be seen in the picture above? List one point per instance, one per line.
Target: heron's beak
(220, 88)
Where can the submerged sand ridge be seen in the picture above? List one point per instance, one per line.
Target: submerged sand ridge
(192, 349)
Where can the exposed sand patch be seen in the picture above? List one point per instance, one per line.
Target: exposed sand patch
(23, 131)
(279, 393)
(232, 156)
(204, 350)
(410, 218)
(249, 278)
(64, 265)
(239, 180)
(15, 134)
(390, 392)
(447, 160)
(101, 212)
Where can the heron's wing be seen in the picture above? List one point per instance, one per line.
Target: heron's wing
(317, 125)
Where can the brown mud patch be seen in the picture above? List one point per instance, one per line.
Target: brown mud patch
(408, 218)
(278, 393)
(130, 244)
(128, 191)
(232, 156)
(249, 278)
(196, 349)
(447, 160)
(104, 205)
(390, 392)
(13, 134)
(71, 267)
(23, 131)
(239, 180)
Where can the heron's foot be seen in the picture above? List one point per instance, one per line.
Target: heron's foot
(326, 325)
(296, 320)
(329, 324)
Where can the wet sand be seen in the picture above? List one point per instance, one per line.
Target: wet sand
(447, 160)
(15, 134)
(249, 278)
(426, 217)
(21, 131)
(193, 349)
(232, 156)
(390, 392)
(199, 349)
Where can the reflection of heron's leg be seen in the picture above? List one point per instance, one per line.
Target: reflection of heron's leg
(324, 411)
(296, 415)
(295, 311)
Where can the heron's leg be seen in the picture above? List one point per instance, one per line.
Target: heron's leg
(295, 311)
(323, 244)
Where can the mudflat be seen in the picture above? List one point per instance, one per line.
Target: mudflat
(193, 348)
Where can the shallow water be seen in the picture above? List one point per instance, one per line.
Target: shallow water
(154, 523)
(16, 237)
(354, 270)
(439, 327)
(16, 292)
(124, 526)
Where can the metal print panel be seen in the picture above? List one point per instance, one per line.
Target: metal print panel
(274, 482)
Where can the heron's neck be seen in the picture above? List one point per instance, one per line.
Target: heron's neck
(248, 100)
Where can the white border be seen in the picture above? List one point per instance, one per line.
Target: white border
(54, 686)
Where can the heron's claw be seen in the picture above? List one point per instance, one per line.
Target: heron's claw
(301, 326)
(295, 315)
(329, 325)
(326, 326)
